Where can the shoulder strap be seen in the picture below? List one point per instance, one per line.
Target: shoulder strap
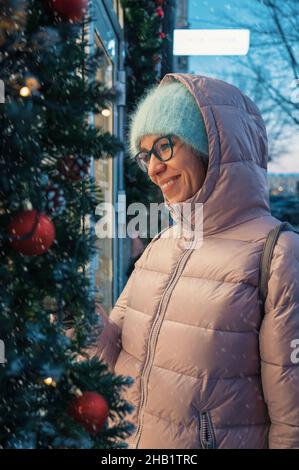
(266, 258)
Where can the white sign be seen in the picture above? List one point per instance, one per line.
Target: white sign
(211, 41)
(2, 92)
(2, 352)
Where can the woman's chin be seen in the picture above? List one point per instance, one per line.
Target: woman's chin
(173, 199)
(172, 196)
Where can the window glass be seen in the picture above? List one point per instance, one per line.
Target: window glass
(104, 178)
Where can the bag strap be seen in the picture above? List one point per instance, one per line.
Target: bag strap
(266, 259)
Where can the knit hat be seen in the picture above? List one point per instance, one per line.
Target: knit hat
(168, 109)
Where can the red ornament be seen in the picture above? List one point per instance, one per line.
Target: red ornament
(162, 35)
(90, 410)
(160, 12)
(69, 10)
(74, 167)
(31, 232)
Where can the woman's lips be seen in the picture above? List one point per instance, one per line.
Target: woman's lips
(167, 187)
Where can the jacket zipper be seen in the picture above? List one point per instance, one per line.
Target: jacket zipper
(207, 435)
(153, 340)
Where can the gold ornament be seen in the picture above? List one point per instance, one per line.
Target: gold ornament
(31, 86)
(32, 83)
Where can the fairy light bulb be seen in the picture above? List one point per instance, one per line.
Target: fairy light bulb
(106, 112)
(49, 381)
(25, 91)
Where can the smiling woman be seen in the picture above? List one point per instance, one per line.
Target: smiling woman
(181, 175)
(168, 139)
(208, 369)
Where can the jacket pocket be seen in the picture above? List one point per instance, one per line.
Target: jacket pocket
(206, 431)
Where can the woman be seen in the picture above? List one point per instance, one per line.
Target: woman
(208, 371)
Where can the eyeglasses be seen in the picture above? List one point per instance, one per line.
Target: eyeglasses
(162, 149)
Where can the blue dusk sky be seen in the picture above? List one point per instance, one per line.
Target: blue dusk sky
(216, 14)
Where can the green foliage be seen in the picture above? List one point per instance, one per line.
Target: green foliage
(143, 43)
(143, 47)
(40, 294)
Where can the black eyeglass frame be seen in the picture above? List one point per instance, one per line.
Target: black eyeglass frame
(152, 150)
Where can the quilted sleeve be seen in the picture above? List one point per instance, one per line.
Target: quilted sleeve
(108, 345)
(279, 344)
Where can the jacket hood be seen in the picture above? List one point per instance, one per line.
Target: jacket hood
(235, 189)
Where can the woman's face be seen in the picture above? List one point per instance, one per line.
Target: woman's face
(185, 172)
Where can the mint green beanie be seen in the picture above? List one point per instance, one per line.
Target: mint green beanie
(168, 109)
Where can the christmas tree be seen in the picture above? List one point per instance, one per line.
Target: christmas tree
(50, 398)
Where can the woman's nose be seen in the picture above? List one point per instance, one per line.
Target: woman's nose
(155, 166)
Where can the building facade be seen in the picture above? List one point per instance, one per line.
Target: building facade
(108, 267)
(181, 63)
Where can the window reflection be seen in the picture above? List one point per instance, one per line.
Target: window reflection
(104, 178)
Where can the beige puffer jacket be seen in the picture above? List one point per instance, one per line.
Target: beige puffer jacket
(187, 327)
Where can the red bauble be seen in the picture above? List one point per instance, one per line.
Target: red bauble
(74, 167)
(69, 10)
(162, 35)
(31, 233)
(160, 12)
(90, 410)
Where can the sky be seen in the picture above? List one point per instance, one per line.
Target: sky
(209, 14)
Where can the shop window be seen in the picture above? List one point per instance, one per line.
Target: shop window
(103, 171)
